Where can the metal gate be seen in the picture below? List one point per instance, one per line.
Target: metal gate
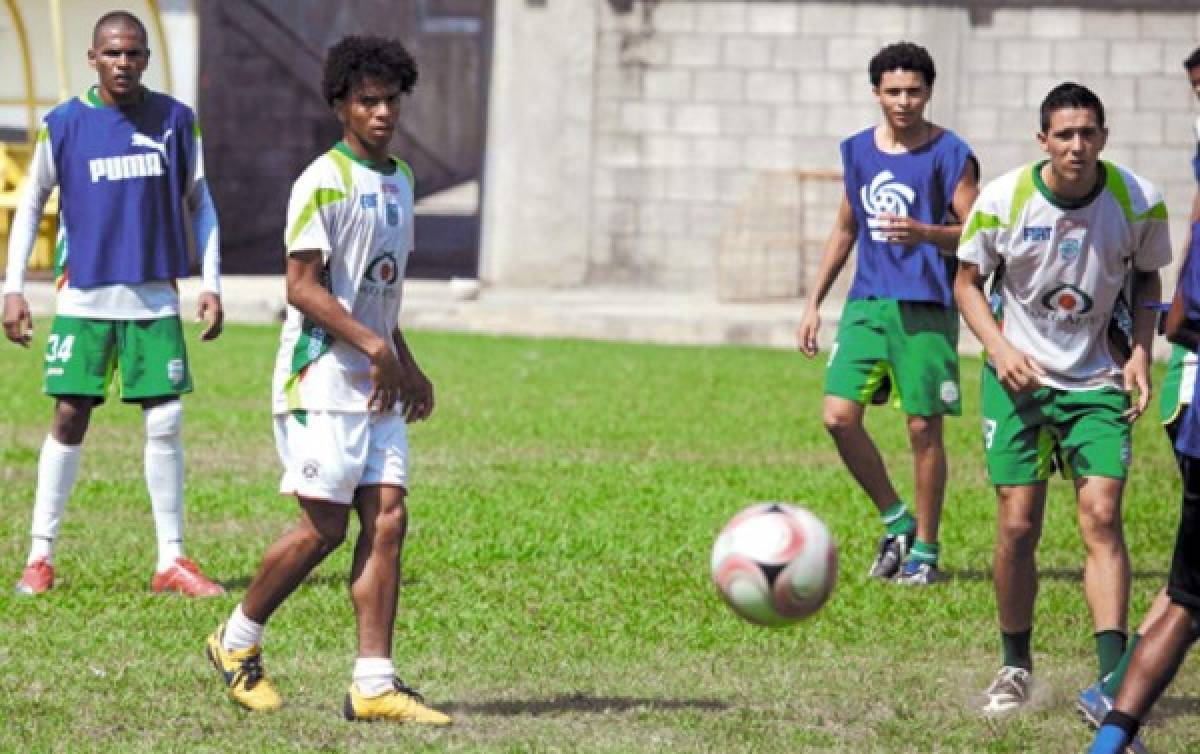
(264, 118)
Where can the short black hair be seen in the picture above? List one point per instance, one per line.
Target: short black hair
(1069, 95)
(355, 59)
(1193, 60)
(901, 56)
(122, 17)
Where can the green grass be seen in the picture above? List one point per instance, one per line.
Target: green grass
(556, 598)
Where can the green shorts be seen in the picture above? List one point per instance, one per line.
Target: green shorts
(910, 345)
(1026, 435)
(1170, 402)
(149, 354)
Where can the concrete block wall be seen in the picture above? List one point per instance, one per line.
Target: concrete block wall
(706, 103)
(655, 144)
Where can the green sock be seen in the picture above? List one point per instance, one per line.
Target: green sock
(897, 519)
(1016, 649)
(1110, 651)
(1111, 683)
(923, 552)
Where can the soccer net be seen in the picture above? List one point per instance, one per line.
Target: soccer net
(772, 245)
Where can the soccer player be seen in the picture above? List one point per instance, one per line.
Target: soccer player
(908, 184)
(345, 384)
(1062, 236)
(1174, 402)
(1166, 640)
(130, 173)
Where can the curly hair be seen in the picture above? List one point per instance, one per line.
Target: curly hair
(1193, 60)
(901, 56)
(355, 59)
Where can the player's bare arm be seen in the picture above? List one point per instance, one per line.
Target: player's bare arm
(1147, 288)
(1016, 370)
(305, 292)
(909, 232)
(18, 322)
(416, 391)
(833, 259)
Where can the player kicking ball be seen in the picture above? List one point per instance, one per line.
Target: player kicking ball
(1062, 236)
(345, 385)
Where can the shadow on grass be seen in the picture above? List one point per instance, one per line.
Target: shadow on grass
(579, 702)
(1049, 574)
(1176, 706)
(320, 578)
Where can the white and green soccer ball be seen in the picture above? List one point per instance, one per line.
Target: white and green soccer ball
(774, 563)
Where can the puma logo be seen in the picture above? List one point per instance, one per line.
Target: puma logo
(141, 140)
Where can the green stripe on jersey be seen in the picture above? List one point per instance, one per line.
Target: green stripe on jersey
(1023, 192)
(980, 221)
(43, 133)
(1120, 191)
(319, 199)
(404, 167)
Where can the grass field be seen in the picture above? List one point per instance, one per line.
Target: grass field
(556, 592)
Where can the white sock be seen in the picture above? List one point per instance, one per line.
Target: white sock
(374, 675)
(164, 477)
(241, 632)
(58, 465)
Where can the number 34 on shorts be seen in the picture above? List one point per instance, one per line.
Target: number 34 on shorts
(84, 355)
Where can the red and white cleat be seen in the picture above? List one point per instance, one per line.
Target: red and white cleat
(37, 578)
(185, 578)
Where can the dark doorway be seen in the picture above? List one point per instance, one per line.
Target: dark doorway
(264, 118)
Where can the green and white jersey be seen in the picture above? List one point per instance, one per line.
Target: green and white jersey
(1064, 265)
(361, 220)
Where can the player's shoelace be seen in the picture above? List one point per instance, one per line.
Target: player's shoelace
(408, 691)
(251, 670)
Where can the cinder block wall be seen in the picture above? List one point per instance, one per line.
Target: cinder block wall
(702, 114)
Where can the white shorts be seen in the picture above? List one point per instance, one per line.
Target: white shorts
(332, 454)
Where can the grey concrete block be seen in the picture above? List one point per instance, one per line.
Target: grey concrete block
(695, 50)
(718, 85)
(644, 50)
(1080, 57)
(663, 218)
(843, 120)
(990, 89)
(744, 51)
(772, 18)
(702, 119)
(669, 85)
(1056, 23)
(699, 184)
(666, 150)
(801, 53)
(824, 88)
(744, 119)
(1117, 92)
(717, 152)
(1024, 56)
(1179, 130)
(1004, 23)
(1110, 25)
(885, 20)
(1139, 128)
(671, 17)
(645, 117)
(1129, 57)
(979, 124)
(721, 17)
(618, 150)
(770, 86)
(822, 18)
(770, 153)
(850, 53)
(1163, 92)
(791, 120)
(1168, 25)
(617, 83)
(981, 56)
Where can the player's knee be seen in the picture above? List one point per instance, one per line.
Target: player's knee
(1018, 534)
(839, 421)
(391, 524)
(924, 433)
(325, 539)
(71, 417)
(164, 422)
(1100, 522)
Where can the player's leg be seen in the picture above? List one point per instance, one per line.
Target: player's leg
(923, 348)
(857, 370)
(1021, 509)
(376, 693)
(152, 360)
(77, 367)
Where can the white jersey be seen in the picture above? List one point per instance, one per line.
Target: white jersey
(1065, 265)
(361, 221)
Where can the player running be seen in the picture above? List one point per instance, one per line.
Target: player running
(345, 384)
(1062, 236)
(908, 183)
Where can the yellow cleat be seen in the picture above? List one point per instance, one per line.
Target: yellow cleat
(400, 704)
(242, 672)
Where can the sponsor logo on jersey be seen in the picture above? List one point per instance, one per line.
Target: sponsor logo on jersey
(1036, 233)
(888, 196)
(1068, 300)
(1071, 235)
(125, 167)
(369, 201)
(142, 140)
(393, 214)
(949, 391)
(383, 270)
(311, 469)
(175, 371)
(391, 188)
(316, 342)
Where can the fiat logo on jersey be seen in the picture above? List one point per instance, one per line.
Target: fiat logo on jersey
(383, 269)
(1067, 299)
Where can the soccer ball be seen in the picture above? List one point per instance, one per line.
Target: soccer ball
(774, 563)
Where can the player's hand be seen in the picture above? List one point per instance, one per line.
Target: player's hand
(416, 393)
(1137, 384)
(387, 376)
(902, 230)
(806, 334)
(18, 322)
(209, 310)
(1016, 370)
